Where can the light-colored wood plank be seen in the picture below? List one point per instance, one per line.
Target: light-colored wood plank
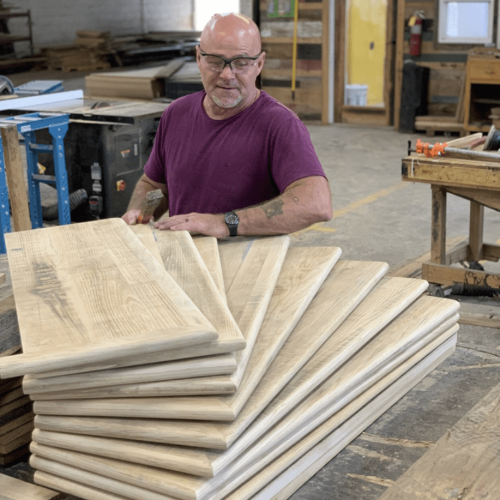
(184, 263)
(479, 315)
(209, 251)
(15, 489)
(232, 254)
(386, 302)
(97, 481)
(66, 312)
(202, 386)
(256, 283)
(145, 233)
(304, 271)
(14, 168)
(465, 460)
(184, 369)
(296, 472)
(393, 346)
(73, 488)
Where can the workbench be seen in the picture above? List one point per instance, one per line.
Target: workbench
(476, 180)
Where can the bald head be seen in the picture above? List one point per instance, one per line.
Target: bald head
(228, 31)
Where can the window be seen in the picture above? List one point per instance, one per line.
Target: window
(204, 10)
(466, 21)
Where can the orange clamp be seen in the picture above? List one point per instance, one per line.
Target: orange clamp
(431, 151)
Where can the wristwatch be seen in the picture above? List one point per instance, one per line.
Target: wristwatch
(232, 220)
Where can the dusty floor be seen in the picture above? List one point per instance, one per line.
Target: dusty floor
(377, 217)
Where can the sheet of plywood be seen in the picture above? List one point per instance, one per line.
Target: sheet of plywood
(6, 439)
(92, 292)
(13, 405)
(15, 489)
(15, 455)
(465, 461)
(187, 487)
(209, 251)
(8, 385)
(11, 395)
(15, 443)
(286, 474)
(183, 369)
(304, 271)
(256, 281)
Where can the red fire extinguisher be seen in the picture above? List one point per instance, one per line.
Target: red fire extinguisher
(415, 24)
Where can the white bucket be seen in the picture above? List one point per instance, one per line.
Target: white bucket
(356, 95)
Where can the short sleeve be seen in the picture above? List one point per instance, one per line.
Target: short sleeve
(155, 166)
(292, 153)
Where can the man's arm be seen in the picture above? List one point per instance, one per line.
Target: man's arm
(303, 203)
(145, 185)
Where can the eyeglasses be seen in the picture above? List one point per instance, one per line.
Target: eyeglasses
(238, 64)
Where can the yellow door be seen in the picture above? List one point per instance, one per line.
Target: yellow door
(365, 45)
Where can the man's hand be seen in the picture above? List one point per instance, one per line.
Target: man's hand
(132, 216)
(207, 224)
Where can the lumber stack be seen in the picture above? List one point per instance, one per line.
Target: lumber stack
(136, 84)
(16, 418)
(288, 354)
(89, 52)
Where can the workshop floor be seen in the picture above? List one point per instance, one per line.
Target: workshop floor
(378, 217)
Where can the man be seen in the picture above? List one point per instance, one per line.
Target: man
(231, 160)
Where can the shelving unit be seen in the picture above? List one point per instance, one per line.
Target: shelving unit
(482, 90)
(6, 38)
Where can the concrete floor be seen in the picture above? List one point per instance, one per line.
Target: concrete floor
(377, 217)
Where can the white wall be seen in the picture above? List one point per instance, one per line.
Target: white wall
(55, 22)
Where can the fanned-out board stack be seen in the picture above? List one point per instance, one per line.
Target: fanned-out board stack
(165, 366)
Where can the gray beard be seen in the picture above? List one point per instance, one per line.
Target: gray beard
(222, 104)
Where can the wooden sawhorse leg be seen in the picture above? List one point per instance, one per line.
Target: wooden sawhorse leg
(438, 225)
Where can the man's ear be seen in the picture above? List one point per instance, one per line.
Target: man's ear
(260, 64)
(198, 55)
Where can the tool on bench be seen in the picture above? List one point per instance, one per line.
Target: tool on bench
(441, 149)
(150, 204)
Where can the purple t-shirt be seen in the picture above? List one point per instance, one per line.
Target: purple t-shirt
(215, 166)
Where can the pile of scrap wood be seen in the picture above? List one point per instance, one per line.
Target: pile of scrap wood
(169, 367)
(133, 84)
(88, 54)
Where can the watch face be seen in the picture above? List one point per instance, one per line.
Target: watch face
(231, 219)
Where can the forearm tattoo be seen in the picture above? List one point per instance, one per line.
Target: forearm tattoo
(273, 208)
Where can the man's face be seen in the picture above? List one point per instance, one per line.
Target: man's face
(229, 88)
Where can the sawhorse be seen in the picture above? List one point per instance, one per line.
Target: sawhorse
(57, 124)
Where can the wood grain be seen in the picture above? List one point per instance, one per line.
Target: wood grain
(304, 271)
(391, 297)
(366, 368)
(465, 461)
(184, 369)
(15, 489)
(232, 254)
(209, 251)
(97, 481)
(202, 386)
(282, 486)
(92, 292)
(264, 261)
(14, 167)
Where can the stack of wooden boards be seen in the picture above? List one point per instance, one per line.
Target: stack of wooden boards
(16, 418)
(137, 84)
(89, 53)
(169, 367)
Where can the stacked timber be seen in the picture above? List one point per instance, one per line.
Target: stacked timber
(16, 418)
(132, 84)
(287, 354)
(89, 53)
